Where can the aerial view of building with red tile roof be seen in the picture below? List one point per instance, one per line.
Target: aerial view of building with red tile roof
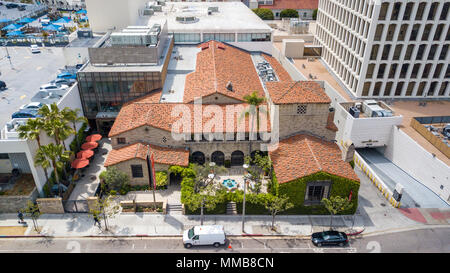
(222, 69)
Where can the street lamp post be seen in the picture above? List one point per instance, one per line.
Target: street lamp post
(245, 166)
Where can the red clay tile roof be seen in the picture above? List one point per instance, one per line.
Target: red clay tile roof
(159, 115)
(292, 4)
(161, 155)
(218, 64)
(286, 91)
(303, 155)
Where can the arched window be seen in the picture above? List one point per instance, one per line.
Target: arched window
(198, 158)
(237, 158)
(218, 157)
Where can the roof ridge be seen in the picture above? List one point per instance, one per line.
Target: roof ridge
(214, 65)
(289, 89)
(312, 152)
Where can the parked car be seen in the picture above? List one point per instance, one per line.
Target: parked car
(32, 106)
(446, 131)
(57, 89)
(26, 113)
(2, 85)
(22, 8)
(11, 6)
(60, 82)
(330, 237)
(204, 235)
(35, 49)
(67, 75)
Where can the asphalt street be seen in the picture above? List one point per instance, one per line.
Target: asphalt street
(436, 240)
(24, 75)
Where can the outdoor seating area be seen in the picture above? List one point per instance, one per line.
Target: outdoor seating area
(53, 28)
(86, 155)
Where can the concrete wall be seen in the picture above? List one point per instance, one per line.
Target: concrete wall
(122, 55)
(75, 55)
(11, 204)
(314, 121)
(419, 163)
(50, 205)
(125, 166)
(360, 130)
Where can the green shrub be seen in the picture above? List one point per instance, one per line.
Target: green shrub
(296, 191)
(352, 163)
(265, 14)
(161, 178)
(289, 13)
(227, 163)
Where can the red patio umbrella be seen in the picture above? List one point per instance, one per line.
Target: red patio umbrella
(89, 145)
(94, 137)
(79, 163)
(85, 154)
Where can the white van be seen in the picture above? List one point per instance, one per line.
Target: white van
(204, 235)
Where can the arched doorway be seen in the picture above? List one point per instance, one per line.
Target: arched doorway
(218, 157)
(237, 158)
(198, 158)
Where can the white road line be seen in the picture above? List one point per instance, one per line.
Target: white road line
(38, 68)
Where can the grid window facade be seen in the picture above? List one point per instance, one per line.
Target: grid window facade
(366, 43)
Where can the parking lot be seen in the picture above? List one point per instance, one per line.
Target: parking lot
(26, 74)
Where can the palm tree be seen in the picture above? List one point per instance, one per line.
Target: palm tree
(32, 131)
(54, 123)
(253, 110)
(54, 155)
(72, 116)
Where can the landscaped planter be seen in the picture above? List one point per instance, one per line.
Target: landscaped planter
(142, 206)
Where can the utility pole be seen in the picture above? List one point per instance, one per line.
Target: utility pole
(8, 56)
(245, 166)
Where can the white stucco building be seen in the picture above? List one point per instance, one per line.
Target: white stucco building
(387, 49)
(189, 22)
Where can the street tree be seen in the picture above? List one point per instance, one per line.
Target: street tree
(32, 211)
(208, 198)
(276, 204)
(105, 208)
(289, 13)
(335, 205)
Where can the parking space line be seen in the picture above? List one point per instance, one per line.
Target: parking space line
(38, 68)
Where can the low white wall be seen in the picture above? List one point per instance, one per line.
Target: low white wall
(75, 55)
(419, 163)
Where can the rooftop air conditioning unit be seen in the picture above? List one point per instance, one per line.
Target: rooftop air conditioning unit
(148, 12)
(213, 9)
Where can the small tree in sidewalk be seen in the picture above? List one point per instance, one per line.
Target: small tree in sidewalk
(208, 198)
(105, 208)
(32, 211)
(276, 204)
(335, 205)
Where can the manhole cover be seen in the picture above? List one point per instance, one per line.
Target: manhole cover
(383, 204)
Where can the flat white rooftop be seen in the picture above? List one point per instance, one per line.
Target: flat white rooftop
(232, 16)
(182, 62)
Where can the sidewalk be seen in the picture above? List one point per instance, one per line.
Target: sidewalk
(141, 224)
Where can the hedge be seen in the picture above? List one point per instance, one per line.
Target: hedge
(296, 190)
(255, 203)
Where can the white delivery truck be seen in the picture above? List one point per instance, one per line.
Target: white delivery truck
(204, 235)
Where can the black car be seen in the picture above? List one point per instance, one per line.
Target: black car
(2, 85)
(11, 6)
(330, 237)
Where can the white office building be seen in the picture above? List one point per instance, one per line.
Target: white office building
(387, 48)
(188, 22)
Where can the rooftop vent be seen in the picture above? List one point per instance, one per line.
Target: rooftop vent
(221, 47)
(205, 47)
(229, 86)
(186, 19)
(213, 9)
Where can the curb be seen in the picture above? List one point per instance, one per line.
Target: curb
(355, 233)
